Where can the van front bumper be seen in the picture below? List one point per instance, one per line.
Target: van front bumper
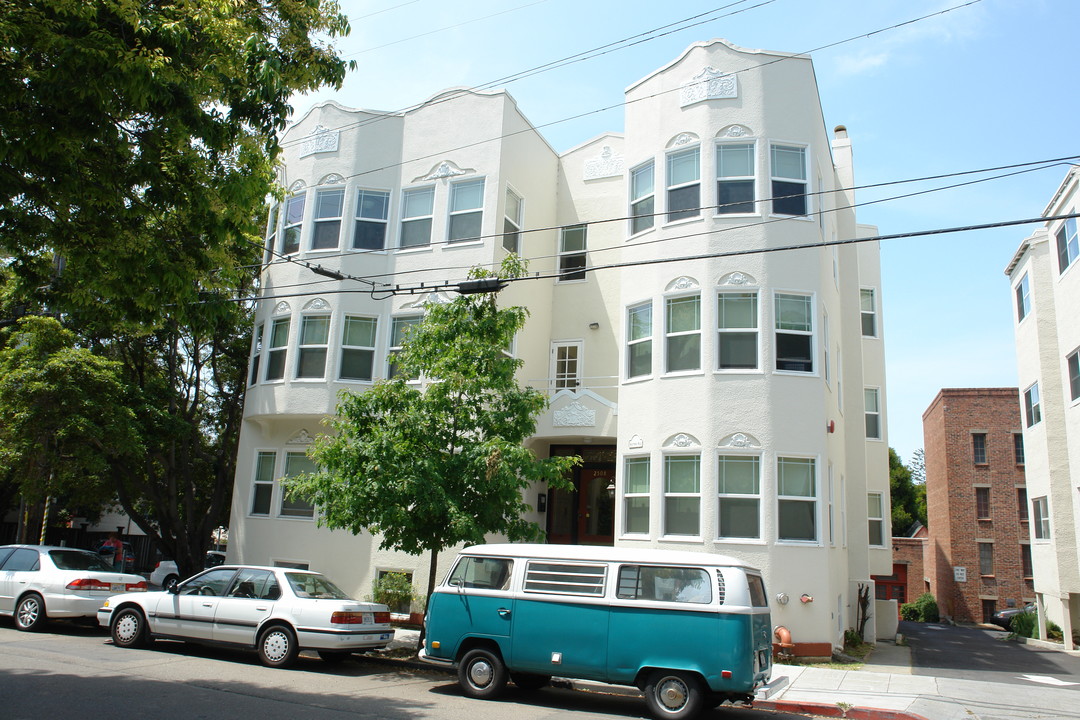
(442, 662)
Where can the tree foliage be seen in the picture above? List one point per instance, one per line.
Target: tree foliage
(428, 469)
(137, 148)
(908, 499)
(64, 416)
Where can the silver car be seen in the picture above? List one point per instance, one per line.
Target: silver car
(275, 611)
(38, 582)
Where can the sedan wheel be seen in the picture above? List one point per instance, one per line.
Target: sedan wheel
(30, 614)
(277, 647)
(169, 582)
(129, 628)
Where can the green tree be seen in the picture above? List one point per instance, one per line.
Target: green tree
(137, 148)
(908, 500)
(428, 469)
(65, 416)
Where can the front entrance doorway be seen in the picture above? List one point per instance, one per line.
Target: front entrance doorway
(585, 515)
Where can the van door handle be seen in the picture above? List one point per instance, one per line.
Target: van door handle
(503, 612)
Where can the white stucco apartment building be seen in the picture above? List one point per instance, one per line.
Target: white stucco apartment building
(1045, 278)
(726, 393)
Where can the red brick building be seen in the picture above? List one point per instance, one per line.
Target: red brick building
(978, 556)
(908, 579)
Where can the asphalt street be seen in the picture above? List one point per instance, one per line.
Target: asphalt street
(75, 670)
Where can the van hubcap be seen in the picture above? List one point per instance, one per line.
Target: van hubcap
(672, 693)
(480, 673)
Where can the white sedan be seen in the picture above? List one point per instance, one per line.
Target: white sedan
(38, 582)
(276, 611)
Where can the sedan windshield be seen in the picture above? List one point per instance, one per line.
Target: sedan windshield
(306, 585)
(78, 560)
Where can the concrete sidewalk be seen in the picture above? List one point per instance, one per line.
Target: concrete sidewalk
(884, 689)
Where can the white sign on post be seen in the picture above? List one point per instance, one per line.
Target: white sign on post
(959, 574)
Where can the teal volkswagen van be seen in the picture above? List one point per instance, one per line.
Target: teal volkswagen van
(691, 630)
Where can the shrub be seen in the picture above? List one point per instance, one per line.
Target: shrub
(909, 611)
(1053, 631)
(1025, 624)
(928, 609)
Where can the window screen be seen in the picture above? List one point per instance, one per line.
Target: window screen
(565, 579)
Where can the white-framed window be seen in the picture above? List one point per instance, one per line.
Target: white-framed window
(738, 480)
(794, 332)
(329, 205)
(1023, 298)
(256, 353)
(293, 506)
(572, 253)
(358, 348)
(1032, 408)
(875, 519)
(1068, 245)
(868, 305)
(277, 351)
(682, 329)
(872, 411)
(262, 487)
(737, 331)
(417, 209)
(831, 506)
(639, 340)
(294, 223)
(466, 211)
(735, 178)
(566, 365)
(399, 329)
(1072, 362)
(372, 212)
(272, 230)
(826, 364)
(788, 163)
(682, 495)
(314, 340)
(1040, 513)
(636, 496)
(684, 184)
(513, 217)
(642, 197)
(796, 499)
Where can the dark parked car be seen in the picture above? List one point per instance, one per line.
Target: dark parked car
(1003, 618)
(129, 555)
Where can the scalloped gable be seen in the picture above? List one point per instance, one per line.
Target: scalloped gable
(708, 44)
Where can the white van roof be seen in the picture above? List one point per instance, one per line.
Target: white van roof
(600, 553)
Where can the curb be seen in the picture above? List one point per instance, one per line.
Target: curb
(824, 710)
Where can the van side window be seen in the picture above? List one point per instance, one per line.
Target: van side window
(757, 591)
(565, 579)
(666, 584)
(482, 572)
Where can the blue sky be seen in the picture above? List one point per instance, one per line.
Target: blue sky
(986, 85)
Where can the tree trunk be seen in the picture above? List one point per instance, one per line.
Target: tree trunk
(433, 570)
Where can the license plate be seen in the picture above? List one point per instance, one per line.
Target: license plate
(384, 636)
(118, 587)
(369, 618)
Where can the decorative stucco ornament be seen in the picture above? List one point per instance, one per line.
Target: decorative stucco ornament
(320, 140)
(317, 304)
(301, 438)
(444, 170)
(332, 179)
(709, 84)
(683, 283)
(737, 278)
(684, 139)
(282, 308)
(606, 165)
(635, 443)
(574, 415)
(740, 440)
(682, 440)
(297, 186)
(736, 131)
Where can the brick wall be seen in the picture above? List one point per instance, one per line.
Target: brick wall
(952, 478)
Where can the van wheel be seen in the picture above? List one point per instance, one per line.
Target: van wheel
(673, 695)
(482, 674)
(529, 681)
(277, 646)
